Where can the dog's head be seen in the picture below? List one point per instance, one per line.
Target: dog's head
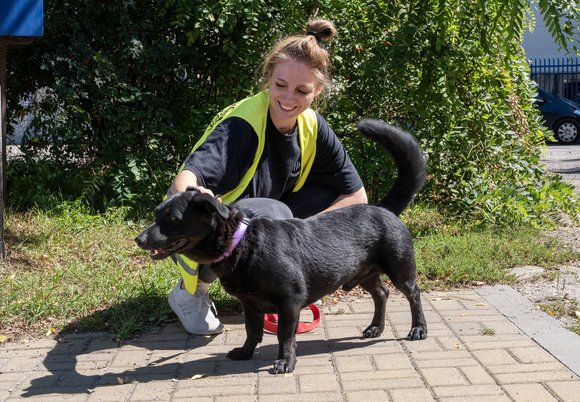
(181, 222)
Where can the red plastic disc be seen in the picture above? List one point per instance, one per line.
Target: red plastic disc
(271, 321)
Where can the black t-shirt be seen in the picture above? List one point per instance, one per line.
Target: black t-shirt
(228, 152)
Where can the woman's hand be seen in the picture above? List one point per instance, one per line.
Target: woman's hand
(185, 179)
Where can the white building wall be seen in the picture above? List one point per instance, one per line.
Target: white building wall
(539, 43)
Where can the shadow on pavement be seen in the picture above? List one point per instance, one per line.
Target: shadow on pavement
(81, 363)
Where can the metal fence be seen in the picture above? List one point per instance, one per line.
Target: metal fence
(558, 76)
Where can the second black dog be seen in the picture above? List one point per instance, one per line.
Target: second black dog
(281, 266)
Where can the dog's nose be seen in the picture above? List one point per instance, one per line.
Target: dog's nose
(141, 240)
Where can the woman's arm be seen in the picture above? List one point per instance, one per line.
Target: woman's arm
(185, 179)
(358, 197)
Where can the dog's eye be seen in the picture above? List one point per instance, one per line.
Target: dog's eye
(173, 219)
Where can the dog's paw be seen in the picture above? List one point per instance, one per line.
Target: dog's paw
(282, 366)
(417, 333)
(372, 331)
(239, 354)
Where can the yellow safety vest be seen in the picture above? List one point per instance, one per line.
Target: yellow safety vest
(254, 110)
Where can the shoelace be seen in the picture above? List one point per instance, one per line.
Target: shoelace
(203, 301)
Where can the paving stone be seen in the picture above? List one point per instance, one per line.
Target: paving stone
(476, 398)
(302, 397)
(494, 357)
(373, 383)
(534, 354)
(397, 318)
(448, 342)
(154, 391)
(222, 390)
(529, 393)
(424, 345)
(339, 332)
(237, 398)
(391, 361)
(466, 328)
(524, 368)
(115, 393)
(443, 355)
(413, 394)
(447, 305)
(286, 384)
(366, 347)
(464, 362)
(468, 391)
(131, 358)
(366, 396)
(319, 383)
(21, 364)
(347, 364)
(443, 376)
(438, 329)
(566, 390)
(536, 376)
(201, 399)
(476, 375)
(497, 344)
(49, 395)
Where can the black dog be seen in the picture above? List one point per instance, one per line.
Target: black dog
(282, 266)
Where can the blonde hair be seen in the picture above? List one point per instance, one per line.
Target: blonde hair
(303, 48)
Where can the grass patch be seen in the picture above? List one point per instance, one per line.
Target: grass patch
(487, 331)
(565, 307)
(477, 257)
(73, 271)
(69, 270)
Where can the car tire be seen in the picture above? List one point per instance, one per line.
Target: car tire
(567, 131)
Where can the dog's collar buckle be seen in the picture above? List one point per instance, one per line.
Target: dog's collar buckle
(236, 239)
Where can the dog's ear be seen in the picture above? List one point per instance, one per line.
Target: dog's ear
(211, 204)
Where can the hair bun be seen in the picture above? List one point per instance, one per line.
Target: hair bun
(322, 30)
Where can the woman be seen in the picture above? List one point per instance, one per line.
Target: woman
(268, 147)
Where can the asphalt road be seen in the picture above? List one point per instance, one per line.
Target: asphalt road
(564, 160)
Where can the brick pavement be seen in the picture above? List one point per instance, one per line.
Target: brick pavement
(473, 353)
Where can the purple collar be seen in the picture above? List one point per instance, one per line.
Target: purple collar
(238, 236)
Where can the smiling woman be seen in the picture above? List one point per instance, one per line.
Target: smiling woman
(268, 148)
(292, 88)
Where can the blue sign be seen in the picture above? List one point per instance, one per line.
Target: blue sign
(21, 18)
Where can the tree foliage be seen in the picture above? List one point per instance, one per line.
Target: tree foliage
(122, 90)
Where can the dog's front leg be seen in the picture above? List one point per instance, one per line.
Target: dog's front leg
(287, 325)
(254, 333)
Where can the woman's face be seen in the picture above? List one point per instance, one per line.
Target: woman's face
(293, 86)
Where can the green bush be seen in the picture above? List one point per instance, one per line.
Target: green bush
(455, 75)
(120, 91)
(123, 90)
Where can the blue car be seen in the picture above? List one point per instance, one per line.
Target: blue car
(561, 115)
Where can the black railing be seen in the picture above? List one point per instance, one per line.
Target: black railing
(558, 76)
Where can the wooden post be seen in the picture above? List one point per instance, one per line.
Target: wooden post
(2, 147)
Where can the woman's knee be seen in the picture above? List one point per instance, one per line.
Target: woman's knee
(264, 208)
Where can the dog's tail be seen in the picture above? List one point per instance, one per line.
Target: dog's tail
(411, 165)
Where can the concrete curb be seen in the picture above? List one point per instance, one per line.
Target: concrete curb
(545, 330)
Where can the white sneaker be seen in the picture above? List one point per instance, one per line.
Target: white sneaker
(195, 311)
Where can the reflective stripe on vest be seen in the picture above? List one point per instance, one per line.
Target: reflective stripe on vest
(188, 270)
(254, 110)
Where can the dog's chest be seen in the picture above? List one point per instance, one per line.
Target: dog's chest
(249, 290)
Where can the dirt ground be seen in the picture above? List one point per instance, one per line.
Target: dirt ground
(556, 291)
